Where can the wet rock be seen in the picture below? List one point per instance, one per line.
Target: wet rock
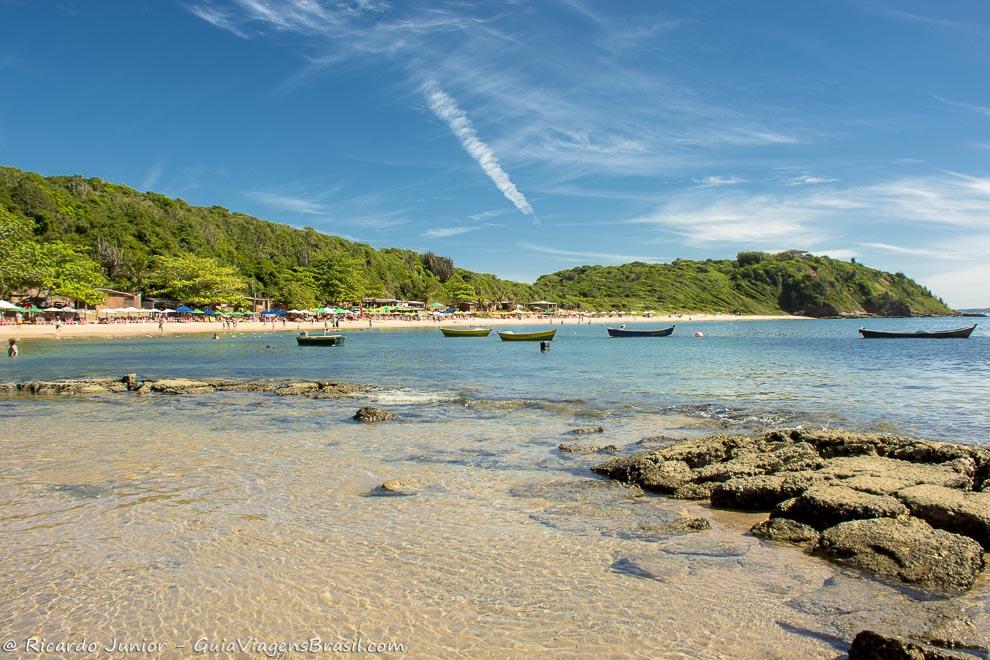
(370, 414)
(786, 530)
(827, 506)
(907, 549)
(586, 430)
(869, 645)
(865, 468)
(763, 493)
(297, 389)
(662, 477)
(395, 487)
(792, 458)
(574, 448)
(180, 386)
(691, 491)
(679, 526)
(657, 441)
(953, 510)
(335, 389)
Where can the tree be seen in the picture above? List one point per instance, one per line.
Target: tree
(295, 288)
(441, 267)
(67, 272)
(198, 281)
(19, 258)
(339, 278)
(458, 291)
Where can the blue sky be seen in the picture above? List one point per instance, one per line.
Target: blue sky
(525, 137)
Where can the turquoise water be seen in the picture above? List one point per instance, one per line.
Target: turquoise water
(743, 373)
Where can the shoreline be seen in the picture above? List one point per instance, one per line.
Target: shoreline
(112, 330)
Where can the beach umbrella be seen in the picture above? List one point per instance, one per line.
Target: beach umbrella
(183, 310)
(53, 309)
(34, 309)
(69, 309)
(7, 305)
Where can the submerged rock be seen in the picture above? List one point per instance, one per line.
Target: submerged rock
(907, 549)
(370, 414)
(180, 386)
(586, 430)
(574, 448)
(394, 487)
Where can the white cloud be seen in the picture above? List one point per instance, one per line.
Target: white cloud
(972, 107)
(898, 249)
(808, 180)
(584, 256)
(446, 109)
(447, 232)
(962, 287)
(153, 175)
(286, 202)
(717, 181)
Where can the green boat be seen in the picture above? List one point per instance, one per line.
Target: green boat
(542, 335)
(466, 332)
(319, 340)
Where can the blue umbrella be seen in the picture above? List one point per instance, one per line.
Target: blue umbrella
(183, 310)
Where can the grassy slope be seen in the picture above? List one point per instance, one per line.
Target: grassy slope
(124, 229)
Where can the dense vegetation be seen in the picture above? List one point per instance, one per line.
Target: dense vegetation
(753, 283)
(69, 234)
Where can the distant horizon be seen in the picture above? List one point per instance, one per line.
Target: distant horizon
(482, 132)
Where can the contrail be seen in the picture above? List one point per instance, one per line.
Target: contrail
(446, 109)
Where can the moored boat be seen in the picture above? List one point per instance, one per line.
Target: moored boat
(625, 332)
(542, 335)
(466, 332)
(956, 333)
(319, 340)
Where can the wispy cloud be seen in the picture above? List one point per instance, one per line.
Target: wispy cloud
(282, 202)
(717, 181)
(609, 257)
(218, 18)
(447, 232)
(900, 249)
(446, 109)
(154, 174)
(972, 107)
(808, 180)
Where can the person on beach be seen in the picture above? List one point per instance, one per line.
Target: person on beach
(161, 326)
(12, 348)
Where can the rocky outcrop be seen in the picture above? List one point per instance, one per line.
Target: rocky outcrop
(818, 483)
(822, 507)
(586, 430)
(370, 415)
(176, 386)
(909, 550)
(575, 448)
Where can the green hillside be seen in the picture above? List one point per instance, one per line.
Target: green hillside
(68, 234)
(753, 283)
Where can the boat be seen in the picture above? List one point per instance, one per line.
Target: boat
(542, 335)
(957, 333)
(319, 340)
(623, 332)
(466, 332)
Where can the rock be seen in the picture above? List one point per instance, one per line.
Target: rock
(574, 448)
(693, 491)
(586, 430)
(868, 645)
(952, 510)
(864, 468)
(907, 549)
(640, 469)
(762, 493)
(785, 530)
(369, 414)
(394, 487)
(680, 526)
(826, 506)
(180, 386)
(296, 389)
(792, 458)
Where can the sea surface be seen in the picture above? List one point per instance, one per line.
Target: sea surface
(240, 518)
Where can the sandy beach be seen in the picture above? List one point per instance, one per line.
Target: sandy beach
(143, 329)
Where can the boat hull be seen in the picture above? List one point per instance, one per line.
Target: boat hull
(543, 335)
(622, 332)
(466, 332)
(321, 340)
(957, 333)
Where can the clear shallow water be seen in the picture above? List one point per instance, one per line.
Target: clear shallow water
(231, 516)
(791, 372)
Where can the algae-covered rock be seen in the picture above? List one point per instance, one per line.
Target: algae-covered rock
(586, 430)
(763, 493)
(574, 448)
(869, 645)
(370, 415)
(953, 510)
(907, 549)
(180, 386)
(826, 506)
(785, 530)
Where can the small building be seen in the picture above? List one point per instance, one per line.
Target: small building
(259, 304)
(543, 306)
(117, 299)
